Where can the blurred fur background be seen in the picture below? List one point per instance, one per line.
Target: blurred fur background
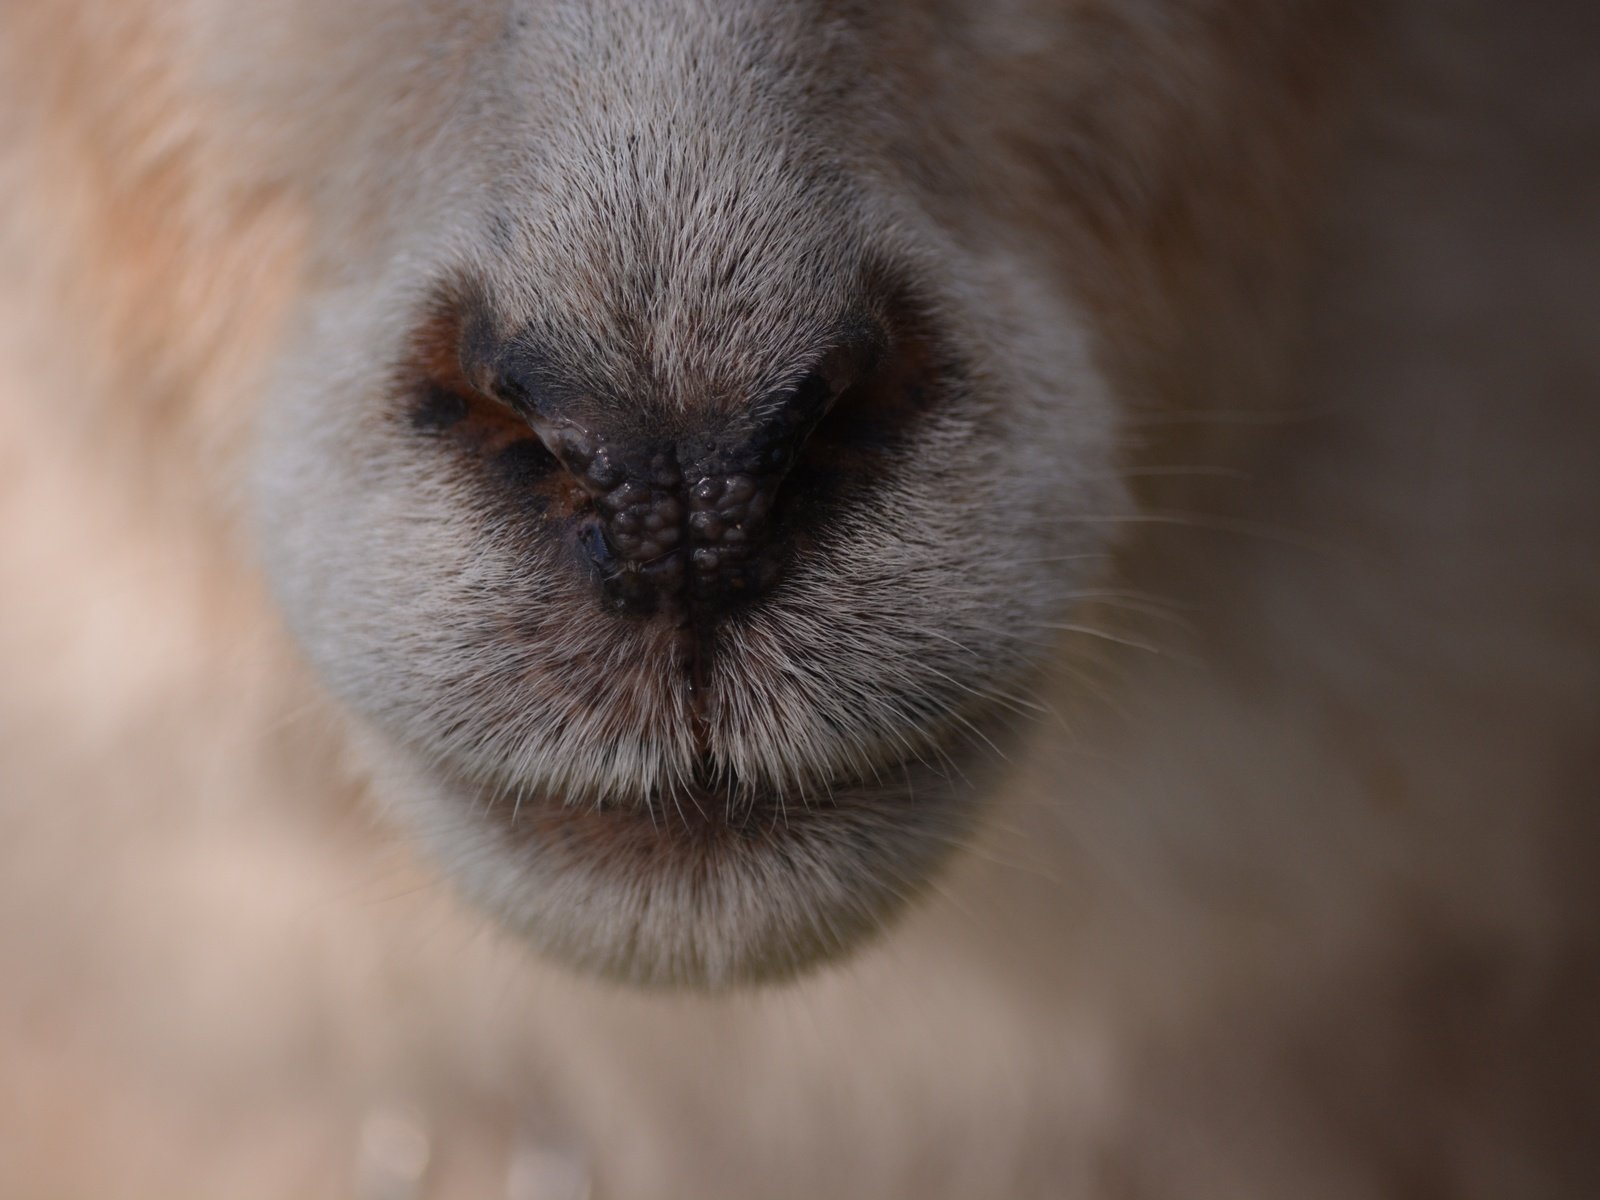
(1295, 897)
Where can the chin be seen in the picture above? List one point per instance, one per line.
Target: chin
(702, 888)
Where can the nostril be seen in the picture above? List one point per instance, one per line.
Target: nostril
(593, 540)
(671, 513)
(813, 395)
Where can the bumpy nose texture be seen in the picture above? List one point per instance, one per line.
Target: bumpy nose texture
(727, 527)
(679, 530)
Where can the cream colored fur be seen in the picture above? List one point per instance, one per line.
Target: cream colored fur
(1288, 891)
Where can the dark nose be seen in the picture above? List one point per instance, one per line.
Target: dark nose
(682, 526)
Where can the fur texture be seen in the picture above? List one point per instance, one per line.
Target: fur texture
(1257, 812)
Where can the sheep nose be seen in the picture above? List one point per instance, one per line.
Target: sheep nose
(683, 527)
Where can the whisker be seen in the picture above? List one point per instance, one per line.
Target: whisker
(1211, 524)
(1229, 416)
(1092, 631)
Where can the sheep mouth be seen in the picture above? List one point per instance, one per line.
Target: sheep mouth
(711, 886)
